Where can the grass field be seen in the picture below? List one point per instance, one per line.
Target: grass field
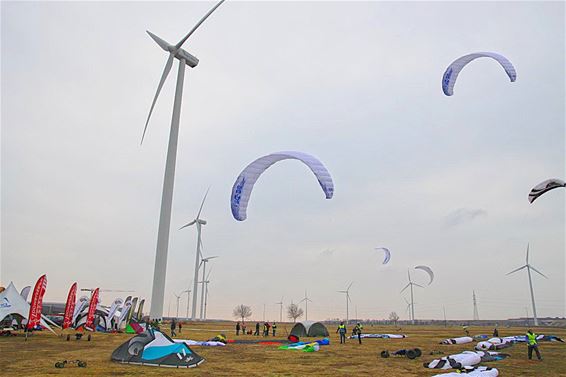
(37, 356)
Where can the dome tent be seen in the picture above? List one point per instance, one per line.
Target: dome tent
(309, 329)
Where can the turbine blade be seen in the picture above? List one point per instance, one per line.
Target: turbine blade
(202, 204)
(418, 285)
(189, 224)
(349, 286)
(538, 272)
(208, 275)
(527, 253)
(164, 45)
(407, 286)
(517, 269)
(178, 45)
(407, 301)
(164, 75)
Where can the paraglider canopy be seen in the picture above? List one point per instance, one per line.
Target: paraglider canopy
(544, 187)
(428, 270)
(387, 255)
(453, 70)
(245, 182)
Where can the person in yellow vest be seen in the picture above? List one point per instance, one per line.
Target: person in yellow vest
(342, 331)
(532, 344)
(358, 331)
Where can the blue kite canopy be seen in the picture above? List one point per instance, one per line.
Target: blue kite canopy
(154, 348)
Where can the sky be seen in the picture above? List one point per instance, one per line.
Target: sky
(440, 181)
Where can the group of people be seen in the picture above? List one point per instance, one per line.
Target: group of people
(356, 331)
(267, 327)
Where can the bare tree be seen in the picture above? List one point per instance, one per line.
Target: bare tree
(393, 317)
(294, 312)
(242, 311)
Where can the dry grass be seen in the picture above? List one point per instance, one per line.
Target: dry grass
(37, 356)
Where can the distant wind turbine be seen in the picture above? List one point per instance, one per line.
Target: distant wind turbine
(348, 300)
(185, 58)
(410, 284)
(408, 308)
(529, 268)
(178, 296)
(306, 300)
(206, 292)
(204, 261)
(198, 222)
(280, 303)
(188, 292)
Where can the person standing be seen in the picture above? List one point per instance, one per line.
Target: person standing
(173, 326)
(243, 328)
(238, 328)
(342, 331)
(532, 344)
(274, 328)
(495, 333)
(358, 330)
(256, 329)
(180, 327)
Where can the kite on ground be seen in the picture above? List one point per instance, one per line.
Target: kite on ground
(244, 184)
(544, 187)
(453, 70)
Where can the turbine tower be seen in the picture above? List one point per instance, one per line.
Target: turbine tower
(306, 300)
(348, 300)
(175, 52)
(410, 284)
(476, 314)
(198, 222)
(204, 261)
(408, 308)
(529, 268)
(280, 303)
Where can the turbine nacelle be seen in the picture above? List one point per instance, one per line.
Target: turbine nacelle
(179, 53)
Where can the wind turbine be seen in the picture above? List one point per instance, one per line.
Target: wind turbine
(407, 309)
(198, 222)
(306, 300)
(412, 297)
(203, 262)
(529, 268)
(206, 291)
(280, 303)
(188, 292)
(178, 296)
(347, 292)
(175, 51)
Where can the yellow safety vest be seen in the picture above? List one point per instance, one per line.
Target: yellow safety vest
(532, 339)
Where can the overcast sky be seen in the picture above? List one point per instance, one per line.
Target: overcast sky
(440, 181)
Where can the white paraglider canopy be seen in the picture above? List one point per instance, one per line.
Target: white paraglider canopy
(453, 70)
(244, 184)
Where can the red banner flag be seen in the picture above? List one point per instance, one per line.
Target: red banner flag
(91, 309)
(34, 317)
(70, 307)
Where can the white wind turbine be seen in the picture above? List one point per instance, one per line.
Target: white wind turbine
(198, 222)
(178, 296)
(280, 303)
(188, 292)
(529, 268)
(175, 52)
(410, 284)
(408, 308)
(348, 300)
(204, 261)
(306, 300)
(206, 291)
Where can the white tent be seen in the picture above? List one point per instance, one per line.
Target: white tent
(11, 302)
